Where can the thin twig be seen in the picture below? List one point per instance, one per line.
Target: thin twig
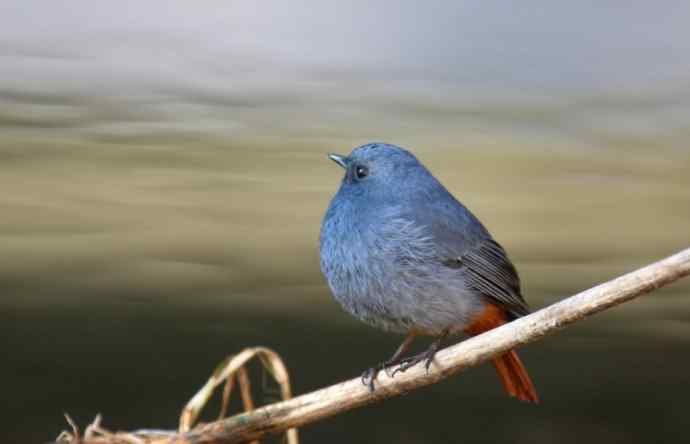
(227, 391)
(246, 392)
(231, 368)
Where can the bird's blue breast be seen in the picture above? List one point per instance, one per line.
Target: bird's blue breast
(345, 258)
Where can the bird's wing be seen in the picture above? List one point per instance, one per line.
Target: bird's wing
(462, 242)
(490, 272)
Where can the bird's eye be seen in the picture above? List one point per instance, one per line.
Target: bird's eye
(361, 171)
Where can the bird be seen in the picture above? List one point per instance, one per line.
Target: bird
(402, 254)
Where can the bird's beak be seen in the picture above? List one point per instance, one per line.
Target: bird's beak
(340, 160)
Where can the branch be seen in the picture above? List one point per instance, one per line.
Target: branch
(314, 406)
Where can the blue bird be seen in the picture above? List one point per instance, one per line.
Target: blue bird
(400, 253)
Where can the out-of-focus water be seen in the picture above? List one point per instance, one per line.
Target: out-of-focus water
(161, 195)
(132, 265)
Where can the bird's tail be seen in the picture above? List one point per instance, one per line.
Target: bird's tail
(510, 369)
(514, 377)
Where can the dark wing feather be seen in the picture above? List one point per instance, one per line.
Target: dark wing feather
(465, 244)
(490, 272)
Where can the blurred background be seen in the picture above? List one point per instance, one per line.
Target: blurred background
(163, 175)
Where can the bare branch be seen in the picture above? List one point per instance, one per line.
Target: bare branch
(311, 407)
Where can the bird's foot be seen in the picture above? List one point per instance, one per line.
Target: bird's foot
(369, 375)
(409, 362)
(427, 356)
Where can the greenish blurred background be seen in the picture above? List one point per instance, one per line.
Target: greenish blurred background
(163, 174)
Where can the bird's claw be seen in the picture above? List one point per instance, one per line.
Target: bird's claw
(407, 363)
(369, 375)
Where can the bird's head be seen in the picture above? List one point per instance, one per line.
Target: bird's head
(379, 168)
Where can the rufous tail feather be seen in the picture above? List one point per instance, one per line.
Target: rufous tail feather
(514, 377)
(509, 367)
